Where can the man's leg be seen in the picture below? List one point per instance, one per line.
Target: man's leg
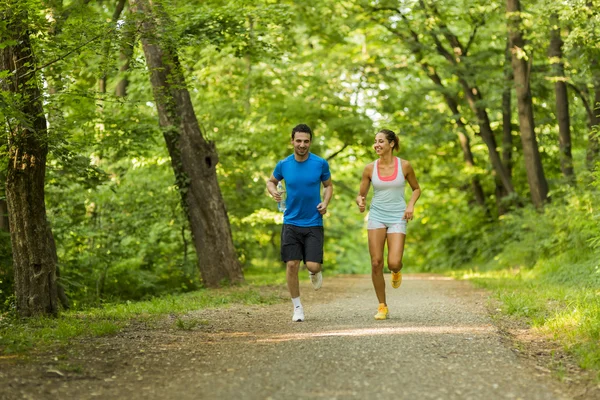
(291, 254)
(313, 267)
(292, 277)
(292, 268)
(313, 249)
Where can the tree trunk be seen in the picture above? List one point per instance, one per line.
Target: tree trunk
(507, 142)
(533, 163)
(193, 159)
(562, 101)
(463, 137)
(125, 56)
(34, 253)
(4, 225)
(593, 150)
(474, 99)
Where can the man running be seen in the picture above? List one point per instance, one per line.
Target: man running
(302, 233)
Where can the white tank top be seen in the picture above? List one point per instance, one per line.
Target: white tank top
(388, 203)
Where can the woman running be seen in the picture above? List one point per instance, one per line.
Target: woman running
(389, 212)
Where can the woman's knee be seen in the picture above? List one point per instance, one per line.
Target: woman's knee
(395, 265)
(376, 264)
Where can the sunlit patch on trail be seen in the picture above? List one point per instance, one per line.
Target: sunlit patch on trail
(426, 277)
(382, 331)
(407, 330)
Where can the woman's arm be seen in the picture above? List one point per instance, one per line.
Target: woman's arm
(365, 183)
(411, 178)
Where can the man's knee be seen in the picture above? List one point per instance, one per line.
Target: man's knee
(293, 265)
(313, 267)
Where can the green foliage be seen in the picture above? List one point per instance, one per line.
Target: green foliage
(256, 69)
(17, 336)
(125, 239)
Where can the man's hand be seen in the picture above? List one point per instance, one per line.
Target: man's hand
(322, 207)
(276, 195)
(360, 202)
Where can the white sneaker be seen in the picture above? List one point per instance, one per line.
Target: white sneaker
(316, 279)
(298, 314)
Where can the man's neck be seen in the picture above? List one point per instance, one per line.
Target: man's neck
(301, 158)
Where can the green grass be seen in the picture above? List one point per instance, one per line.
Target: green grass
(559, 297)
(19, 336)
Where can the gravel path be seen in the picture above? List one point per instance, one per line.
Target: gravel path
(438, 344)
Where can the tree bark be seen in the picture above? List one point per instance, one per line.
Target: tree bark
(474, 98)
(593, 150)
(507, 142)
(34, 253)
(125, 56)
(463, 137)
(562, 101)
(193, 159)
(4, 225)
(538, 185)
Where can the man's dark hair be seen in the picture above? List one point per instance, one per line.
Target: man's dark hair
(302, 128)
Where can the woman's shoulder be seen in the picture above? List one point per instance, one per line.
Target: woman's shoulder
(406, 166)
(369, 169)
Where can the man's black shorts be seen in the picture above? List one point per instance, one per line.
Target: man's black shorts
(302, 243)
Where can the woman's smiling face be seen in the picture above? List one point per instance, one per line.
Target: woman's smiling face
(381, 144)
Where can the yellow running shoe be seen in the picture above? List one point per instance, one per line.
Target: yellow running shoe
(382, 312)
(396, 279)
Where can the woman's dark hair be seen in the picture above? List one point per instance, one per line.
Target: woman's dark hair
(301, 128)
(391, 137)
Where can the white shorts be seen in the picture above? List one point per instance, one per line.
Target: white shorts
(395, 227)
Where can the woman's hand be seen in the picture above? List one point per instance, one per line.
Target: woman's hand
(409, 214)
(360, 202)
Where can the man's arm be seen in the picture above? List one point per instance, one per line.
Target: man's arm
(272, 188)
(327, 193)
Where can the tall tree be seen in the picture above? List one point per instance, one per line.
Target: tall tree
(456, 57)
(34, 252)
(538, 186)
(125, 56)
(411, 40)
(561, 100)
(593, 150)
(193, 159)
(507, 142)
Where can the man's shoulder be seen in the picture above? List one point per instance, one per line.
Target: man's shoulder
(316, 158)
(287, 159)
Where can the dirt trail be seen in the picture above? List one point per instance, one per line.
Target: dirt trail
(438, 344)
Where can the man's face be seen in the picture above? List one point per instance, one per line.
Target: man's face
(301, 143)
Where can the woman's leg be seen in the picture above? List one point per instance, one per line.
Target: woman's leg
(395, 242)
(376, 244)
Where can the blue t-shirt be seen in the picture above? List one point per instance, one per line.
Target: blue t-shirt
(303, 188)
